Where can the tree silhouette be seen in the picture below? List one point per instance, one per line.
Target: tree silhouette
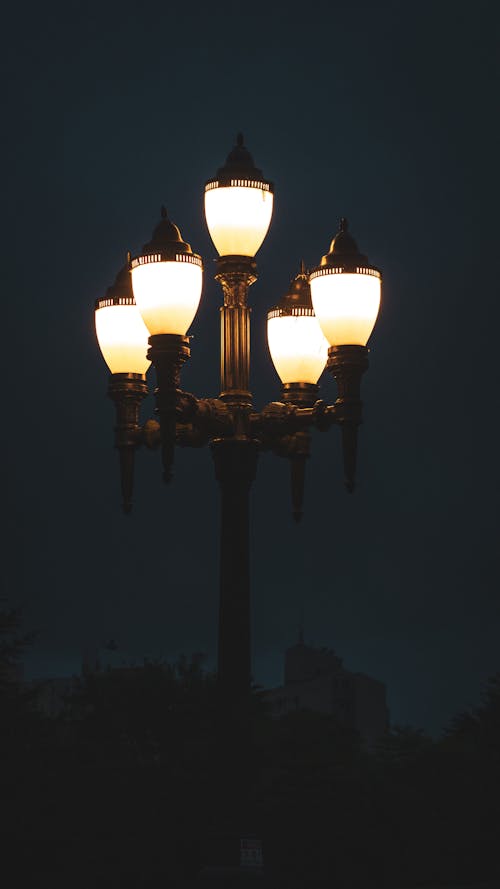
(121, 787)
(20, 721)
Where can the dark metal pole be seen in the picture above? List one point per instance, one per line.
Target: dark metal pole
(235, 466)
(235, 460)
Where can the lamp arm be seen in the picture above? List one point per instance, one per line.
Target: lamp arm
(277, 426)
(210, 415)
(198, 420)
(277, 419)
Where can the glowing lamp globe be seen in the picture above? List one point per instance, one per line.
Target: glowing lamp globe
(345, 292)
(167, 280)
(296, 342)
(120, 330)
(238, 204)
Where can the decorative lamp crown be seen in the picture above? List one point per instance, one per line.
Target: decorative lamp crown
(298, 294)
(121, 289)
(240, 166)
(344, 251)
(166, 240)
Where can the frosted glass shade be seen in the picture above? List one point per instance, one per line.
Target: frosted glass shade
(298, 348)
(346, 304)
(238, 217)
(167, 293)
(122, 336)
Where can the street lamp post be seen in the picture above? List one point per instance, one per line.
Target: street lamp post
(325, 318)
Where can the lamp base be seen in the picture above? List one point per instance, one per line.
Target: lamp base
(347, 365)
(302, 394)
(236, 274)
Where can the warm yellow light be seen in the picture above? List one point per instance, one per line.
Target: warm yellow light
(238, 217)
(346, 305)
(167, 293)
(122, 337)
(297, 346)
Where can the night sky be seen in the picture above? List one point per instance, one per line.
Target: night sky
(385, 113)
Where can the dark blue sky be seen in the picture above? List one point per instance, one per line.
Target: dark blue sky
(381, 113)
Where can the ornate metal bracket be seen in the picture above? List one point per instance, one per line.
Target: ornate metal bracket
(282, 427)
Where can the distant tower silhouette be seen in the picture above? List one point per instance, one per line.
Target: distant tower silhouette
(315, 679)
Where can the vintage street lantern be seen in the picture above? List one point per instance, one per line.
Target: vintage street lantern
(122, 337)
(299, 351)
(345, 292)
(238, 205)
(167, 280)
(121, 332)
(325, 318)
(296, 342)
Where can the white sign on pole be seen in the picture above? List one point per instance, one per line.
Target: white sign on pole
(250, 852)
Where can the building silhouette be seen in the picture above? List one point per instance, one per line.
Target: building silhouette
(314, 679)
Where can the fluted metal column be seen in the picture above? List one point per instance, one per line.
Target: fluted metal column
(235, 275)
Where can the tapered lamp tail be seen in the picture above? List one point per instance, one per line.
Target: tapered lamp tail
(347, 365)
(127, 390)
